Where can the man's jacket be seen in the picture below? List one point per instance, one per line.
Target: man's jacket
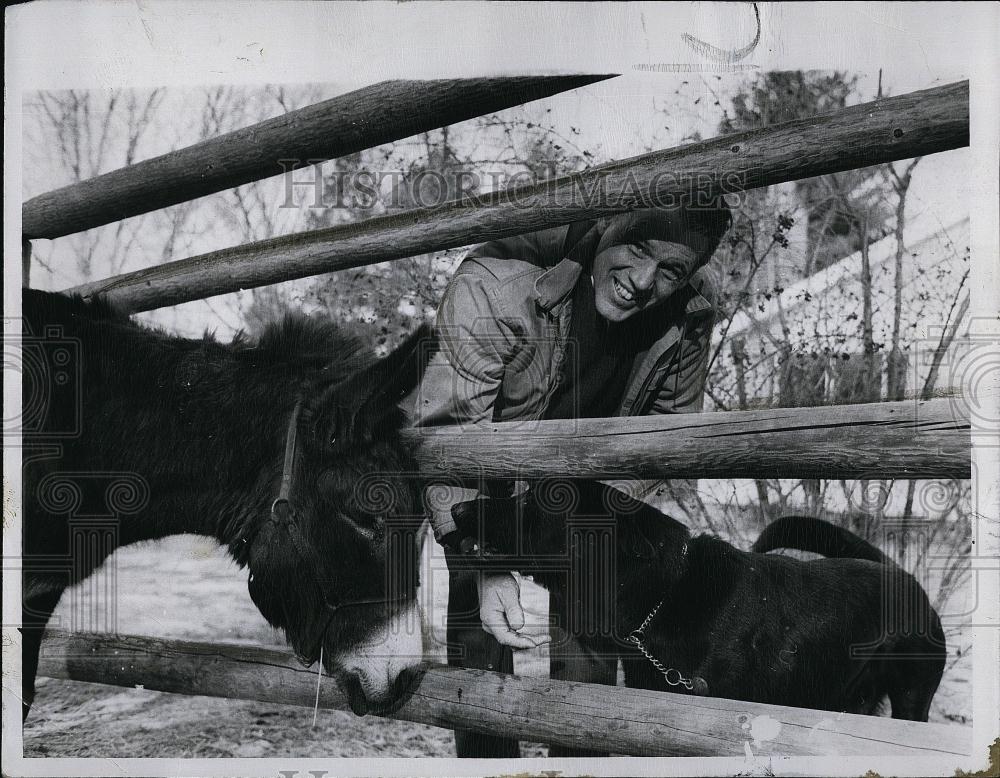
(503, 325)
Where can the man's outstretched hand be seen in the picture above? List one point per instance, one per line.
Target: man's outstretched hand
(500, 607)
(501, 612)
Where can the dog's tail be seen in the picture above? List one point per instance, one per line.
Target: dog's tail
(806, 533)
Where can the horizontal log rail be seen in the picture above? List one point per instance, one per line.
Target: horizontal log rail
(907, 439)
(623, 721)
(362, 119)
(881, 131)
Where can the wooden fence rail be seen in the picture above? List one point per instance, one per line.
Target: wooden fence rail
(907, 439)
(345, 124)
(881, 131)
(572, 714)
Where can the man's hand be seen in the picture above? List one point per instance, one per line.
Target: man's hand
(501, 612)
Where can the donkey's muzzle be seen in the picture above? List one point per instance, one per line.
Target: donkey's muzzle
(378, 671)
(386, 704)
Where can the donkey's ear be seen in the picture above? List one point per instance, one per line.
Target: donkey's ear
(354, 406)
(386, 382)
(327, 418)
(404, 367)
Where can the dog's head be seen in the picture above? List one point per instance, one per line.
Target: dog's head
(547, 527)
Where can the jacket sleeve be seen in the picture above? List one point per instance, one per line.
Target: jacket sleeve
(476, 342)
(461, 383)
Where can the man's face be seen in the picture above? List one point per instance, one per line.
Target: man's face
(632, 277)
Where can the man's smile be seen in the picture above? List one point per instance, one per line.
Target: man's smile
(623, 293)
(629, 278)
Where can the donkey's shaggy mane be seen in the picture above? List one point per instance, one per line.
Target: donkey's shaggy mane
(307, 340)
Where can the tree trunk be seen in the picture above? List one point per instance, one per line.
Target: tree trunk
(738, 351)
(896, 377)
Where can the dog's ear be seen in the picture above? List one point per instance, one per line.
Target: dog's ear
(639, 533)
(497, 521)
(466, 515)
(640, 537)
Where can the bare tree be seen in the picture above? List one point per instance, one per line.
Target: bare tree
(92, 132)
(897, 367)
(384, 302)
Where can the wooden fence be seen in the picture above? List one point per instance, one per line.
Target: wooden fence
(881, 131)
(905, 439)
(641, 722)
(358, 120)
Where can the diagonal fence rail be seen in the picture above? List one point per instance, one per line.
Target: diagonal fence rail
(641, 722)
(358, 120)
(881, 131)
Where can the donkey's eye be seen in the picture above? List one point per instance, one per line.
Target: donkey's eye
(332, 426)
(366, 526)
(327, 481)
(369, 519)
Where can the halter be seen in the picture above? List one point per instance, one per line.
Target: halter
(283, 512)
(281, 508)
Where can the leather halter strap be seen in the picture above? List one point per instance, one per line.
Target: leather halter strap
(283, 500)
(283, 513)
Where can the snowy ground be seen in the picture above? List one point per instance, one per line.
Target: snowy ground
(186, 587)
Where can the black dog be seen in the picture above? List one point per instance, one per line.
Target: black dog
(835, 634)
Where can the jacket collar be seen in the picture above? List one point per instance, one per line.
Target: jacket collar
(555, 286)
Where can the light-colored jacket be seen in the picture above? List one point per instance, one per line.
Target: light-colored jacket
(503, 326)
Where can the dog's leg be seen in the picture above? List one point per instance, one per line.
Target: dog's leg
(469, 646)
(912, 702)
(912, 687)
(913, 680)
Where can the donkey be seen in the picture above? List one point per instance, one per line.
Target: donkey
(693, 614)
(287, 451)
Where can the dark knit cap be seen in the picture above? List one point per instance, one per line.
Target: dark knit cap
(698, 227)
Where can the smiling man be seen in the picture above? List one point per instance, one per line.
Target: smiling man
(601, 318)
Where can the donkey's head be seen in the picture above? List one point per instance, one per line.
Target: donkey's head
(334, 562)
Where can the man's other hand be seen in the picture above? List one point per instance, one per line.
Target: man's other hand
(501, 612)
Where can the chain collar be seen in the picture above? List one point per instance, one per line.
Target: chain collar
(671, 675)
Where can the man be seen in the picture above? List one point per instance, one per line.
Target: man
(595, 319)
